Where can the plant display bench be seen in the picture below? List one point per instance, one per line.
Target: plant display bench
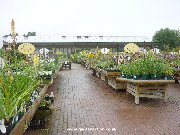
(113, 82)
(117, 83)
(148, 88)
(111, 77)
(66, 64)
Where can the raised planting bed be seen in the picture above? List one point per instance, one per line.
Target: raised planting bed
(113, 82)
(148, 88)
(113, 73)
(22, 124)
(109, 76)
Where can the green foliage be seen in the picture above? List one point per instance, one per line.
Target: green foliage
(2, 53)
(176, 62)
(77, 57)
(15, 89)
(48, 65)
(167, 38)
(150, 64)
(105, 65)
(60, 57)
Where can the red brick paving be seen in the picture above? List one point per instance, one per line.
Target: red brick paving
(88, 106)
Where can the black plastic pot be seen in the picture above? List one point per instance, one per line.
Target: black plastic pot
(129, 76)
(123, 75)
(168, 77)
(145, 77)
(137, 77)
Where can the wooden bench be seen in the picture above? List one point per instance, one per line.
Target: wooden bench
(146, 88)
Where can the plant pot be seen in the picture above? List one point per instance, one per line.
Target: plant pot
(158, 77)
(7, 122)
(136, 77)
(151, 77)
(168, 77)
(2, 127)
(145, 77)
(123, 75)
(129, 76)
(8, 125)
(9, 129)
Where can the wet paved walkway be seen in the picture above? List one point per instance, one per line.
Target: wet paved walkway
(85, 105)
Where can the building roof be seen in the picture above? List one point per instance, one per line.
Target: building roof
(38, 38)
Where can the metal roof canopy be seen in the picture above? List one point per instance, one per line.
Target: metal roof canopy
(81, 41)
(87, 44)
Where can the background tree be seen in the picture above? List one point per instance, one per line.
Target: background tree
(167, 38)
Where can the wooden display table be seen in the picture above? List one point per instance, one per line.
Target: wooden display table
(112, 81)
(118, 83)
(111, 77)
(112, 74)
(148, 88)
(66, 64)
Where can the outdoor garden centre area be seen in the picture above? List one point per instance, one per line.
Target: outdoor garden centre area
(100, 91)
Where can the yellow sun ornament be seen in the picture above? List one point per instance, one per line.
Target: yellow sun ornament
(131, 48)
(26, 48)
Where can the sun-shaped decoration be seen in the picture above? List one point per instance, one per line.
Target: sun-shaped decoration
(131, 48)
(26, 48)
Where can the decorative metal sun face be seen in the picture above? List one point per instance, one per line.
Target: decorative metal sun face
(131, 48)
(26, 48)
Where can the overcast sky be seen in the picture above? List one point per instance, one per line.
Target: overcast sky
(90, 17)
